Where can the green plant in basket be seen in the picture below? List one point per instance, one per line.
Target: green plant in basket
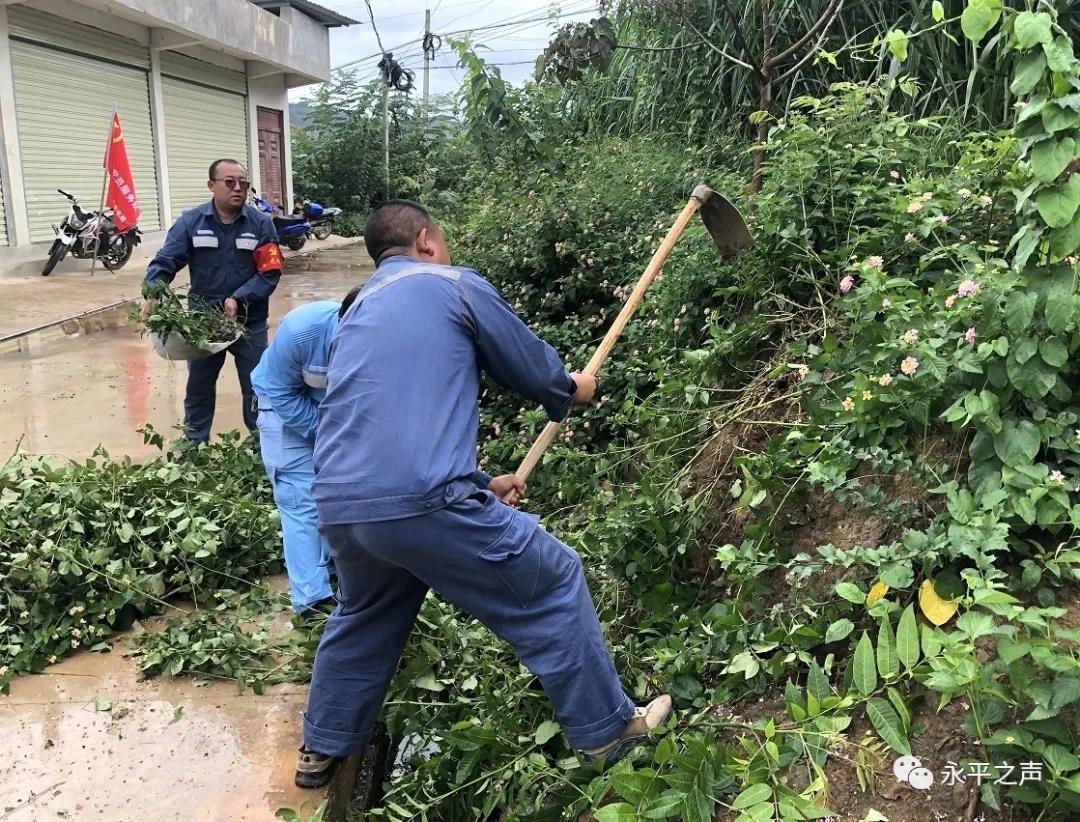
(200, 323)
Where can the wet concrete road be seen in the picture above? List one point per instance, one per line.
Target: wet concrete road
(67, 390)
(225, 757)
(162, 750)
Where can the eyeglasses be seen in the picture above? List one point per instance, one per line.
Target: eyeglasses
(231, 184)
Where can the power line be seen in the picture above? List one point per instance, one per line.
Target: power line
(491, 65)
(374, 28)
(511, 22)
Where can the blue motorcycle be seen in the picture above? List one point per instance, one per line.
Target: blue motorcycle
(292, 230)
(320, 217)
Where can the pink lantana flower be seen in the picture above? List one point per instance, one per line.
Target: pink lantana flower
(971, 335)
(968, 288)
(909, 366)
(848, 404)
(885, 380)
(914, 206)
(1057, 478)
(950, 301)
(847, 284)
(875, 261)
(910, 337)
(886, 304)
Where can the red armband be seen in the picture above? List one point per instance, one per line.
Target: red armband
(268, 258)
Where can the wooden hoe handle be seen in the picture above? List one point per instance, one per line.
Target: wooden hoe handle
(656, 264)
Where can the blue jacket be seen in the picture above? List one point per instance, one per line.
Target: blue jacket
(290, 379)
(397, 430)
(220, 257)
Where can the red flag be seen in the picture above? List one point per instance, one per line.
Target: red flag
(120, 196)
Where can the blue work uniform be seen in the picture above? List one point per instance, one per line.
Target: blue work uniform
(404, 509)
(290, 382)
(221, 263)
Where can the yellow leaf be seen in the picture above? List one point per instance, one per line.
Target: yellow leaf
(876, 592)
(934, 608)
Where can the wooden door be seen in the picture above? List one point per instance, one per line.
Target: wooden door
(272, 158)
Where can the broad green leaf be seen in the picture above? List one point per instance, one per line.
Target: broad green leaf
(839, 630)
(901, 709)
(664, 806)
(620, 812)
(665, 751)
(634, 786)
(898, 44)
(1024, 348)
(1030, 69)
(1054, 352)
(1063, 243)
(803, 808)
(907, 638)
(938, 11)
(102, 704)
(979, 17)
(887, 724)
(1031, 29)
(1057, 118)
(1066, 691)
(546, 731)
(1029, 238)
(887, 661)
(931, 643)
(864, 671)
(1050, 157)
(429, 683)
(851, 592)
(1059, 54)
(898, 574)
(1057, 205)
(1033, 379)
(745, 663)
(817, 684)
(754, 795)
(1020, 311)
(1018, 442)
(1010, 651)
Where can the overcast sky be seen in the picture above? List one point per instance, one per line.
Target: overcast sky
(522, 32)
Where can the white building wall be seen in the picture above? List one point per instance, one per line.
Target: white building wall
(294, 42)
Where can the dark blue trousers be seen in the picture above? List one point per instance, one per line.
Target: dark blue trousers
(491, 561)
(201, 396)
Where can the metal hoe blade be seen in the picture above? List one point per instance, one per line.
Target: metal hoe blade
(725, 224)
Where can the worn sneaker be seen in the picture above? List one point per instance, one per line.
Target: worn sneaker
(313, 770)
(645, 720)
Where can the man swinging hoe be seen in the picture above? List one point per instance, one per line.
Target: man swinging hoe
(404, 508)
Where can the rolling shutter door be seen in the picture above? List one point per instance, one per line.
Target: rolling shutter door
(205, 120)
(63, 106)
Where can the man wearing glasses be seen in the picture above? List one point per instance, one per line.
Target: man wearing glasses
(231, 251)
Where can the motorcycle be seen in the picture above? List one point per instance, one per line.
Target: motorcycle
(292, 230)
(320, 217)
(90, 234)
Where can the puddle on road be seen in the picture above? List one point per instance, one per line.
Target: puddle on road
(96, 381)
(165, 749)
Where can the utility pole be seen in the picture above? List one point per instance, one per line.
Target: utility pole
(386, 136)
(427, 63)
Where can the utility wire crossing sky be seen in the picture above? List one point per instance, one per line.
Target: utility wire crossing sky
(512, 32)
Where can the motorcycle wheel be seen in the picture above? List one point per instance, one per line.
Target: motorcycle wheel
(56, 253)
(322, 231)
(296, 243)
(115, 259)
